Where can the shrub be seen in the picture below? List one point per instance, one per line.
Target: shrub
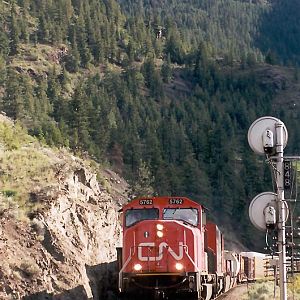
(9, 193)
(13, 136)
(29, 268)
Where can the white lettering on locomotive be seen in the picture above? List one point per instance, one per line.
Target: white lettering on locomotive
(162, 245)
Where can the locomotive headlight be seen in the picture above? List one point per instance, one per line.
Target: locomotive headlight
(160, 234)
(137, 267)
(159, 226)
(179, 266)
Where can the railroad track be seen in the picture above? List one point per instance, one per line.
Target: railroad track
(236, 293)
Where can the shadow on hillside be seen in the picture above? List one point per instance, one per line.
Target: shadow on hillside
(103, 283)
(279, 31)
(103, 280)
(76, 294)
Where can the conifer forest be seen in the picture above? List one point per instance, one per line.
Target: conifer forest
(162, 91)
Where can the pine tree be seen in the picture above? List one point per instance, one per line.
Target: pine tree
(78, 119)
(14, 33)
(142, 183)
(117, 157)
(43, 105)
(72, 60)
(24, 33)
(271, 58)
(174, 46)
(81, 39)
(43, 33)
(2, 71)
(12, 102)
(166, 70)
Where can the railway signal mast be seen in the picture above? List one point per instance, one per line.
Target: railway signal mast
(268, 211)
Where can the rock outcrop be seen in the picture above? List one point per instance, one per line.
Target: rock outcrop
(67, 250)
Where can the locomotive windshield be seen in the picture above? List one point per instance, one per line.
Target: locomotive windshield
(133, 216)
(189, 215)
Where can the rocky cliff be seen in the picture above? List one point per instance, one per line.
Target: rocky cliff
(63, 247)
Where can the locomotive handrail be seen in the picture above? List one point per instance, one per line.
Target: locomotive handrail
(186, 248)
(124, 266)
(127, 261)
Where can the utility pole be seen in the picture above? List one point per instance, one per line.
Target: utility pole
(268, 211)
(281, 207)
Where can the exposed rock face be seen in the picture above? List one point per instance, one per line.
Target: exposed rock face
(68, 250)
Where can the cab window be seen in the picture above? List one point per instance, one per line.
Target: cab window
(134, 216)
(188, 215)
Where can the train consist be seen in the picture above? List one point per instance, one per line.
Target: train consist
(170, 251)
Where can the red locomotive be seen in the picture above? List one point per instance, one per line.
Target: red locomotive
(169, 251)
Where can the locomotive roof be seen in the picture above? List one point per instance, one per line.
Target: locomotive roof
(165, 201)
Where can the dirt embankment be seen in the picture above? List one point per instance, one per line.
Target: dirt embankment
(236, 293)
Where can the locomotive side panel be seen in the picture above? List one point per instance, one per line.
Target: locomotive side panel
(214, 243)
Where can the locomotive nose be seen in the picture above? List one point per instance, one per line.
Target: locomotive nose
(162, 256)
(163, 247)
(160, 247)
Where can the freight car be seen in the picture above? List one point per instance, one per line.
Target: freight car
(169, 251)
(252, 266)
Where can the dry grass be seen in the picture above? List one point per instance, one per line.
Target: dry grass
(29, 168)
(264, 290)
(13, 136)
(22, 172)
(24, 168)
(36, 58)
(41, 60)
(261, 291)
(30, 268)
(294, 287)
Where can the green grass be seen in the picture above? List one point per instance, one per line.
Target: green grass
(24, 169)
(12, 137)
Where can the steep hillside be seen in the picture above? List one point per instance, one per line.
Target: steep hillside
(59, 226)
(228, 26)
(286, 99)
(279, 32)
(233, 28)
(162, 91)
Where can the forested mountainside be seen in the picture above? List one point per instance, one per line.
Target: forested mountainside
(228, 26)
(163, 91)
(279, 31)
(235, 29)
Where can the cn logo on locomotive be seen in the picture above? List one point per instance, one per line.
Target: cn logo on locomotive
(161, 247)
